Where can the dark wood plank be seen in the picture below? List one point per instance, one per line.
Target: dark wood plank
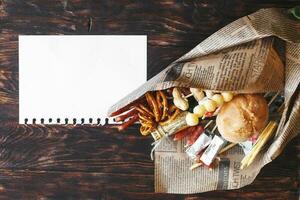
(94, 156)
(88, 148)
(19, 184)
(70, 185)
(73, 149)
(167, 23)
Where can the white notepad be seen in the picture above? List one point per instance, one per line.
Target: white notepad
(77, 77)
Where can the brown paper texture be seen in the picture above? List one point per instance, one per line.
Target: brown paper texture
(244, 57)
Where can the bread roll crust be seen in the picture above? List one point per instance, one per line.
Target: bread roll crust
(243, 117)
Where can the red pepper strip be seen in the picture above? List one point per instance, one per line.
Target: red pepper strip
(211, 166)
(181, 134)
(197, 159)
(214, 164)
(120, 111)
(254, 138)
(128, 107)
(209, 114)
(126, 124)
(125, 116)
(195, 134)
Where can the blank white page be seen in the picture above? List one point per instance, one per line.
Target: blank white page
(77, 77)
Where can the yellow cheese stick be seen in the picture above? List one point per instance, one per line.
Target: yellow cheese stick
(195, 165)
(263, 138)
(244, 162)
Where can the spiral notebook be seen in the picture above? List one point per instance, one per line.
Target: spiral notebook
(75, 79)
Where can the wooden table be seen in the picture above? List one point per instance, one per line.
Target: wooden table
(66, 162)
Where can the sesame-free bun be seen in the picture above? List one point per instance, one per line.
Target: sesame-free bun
(244, 116)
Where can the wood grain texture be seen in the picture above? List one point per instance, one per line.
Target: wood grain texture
(81, 162)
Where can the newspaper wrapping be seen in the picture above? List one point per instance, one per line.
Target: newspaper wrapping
(255, 54)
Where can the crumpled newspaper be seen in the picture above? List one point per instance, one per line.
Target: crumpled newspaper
(255, 54)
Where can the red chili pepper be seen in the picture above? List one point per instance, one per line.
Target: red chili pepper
(126, 124)
(183, 133)
(209, 114)
(214, 164)
(125, 116)
(254, 138)
(195, 134)
(211, 166)
(197, 159)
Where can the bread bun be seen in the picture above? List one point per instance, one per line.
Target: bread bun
(244, 116)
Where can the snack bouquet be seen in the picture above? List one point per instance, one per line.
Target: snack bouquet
(225, 109)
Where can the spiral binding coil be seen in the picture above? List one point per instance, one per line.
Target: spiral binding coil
(66, 121)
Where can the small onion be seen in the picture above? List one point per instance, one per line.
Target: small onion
(192, 119)
(199, 110)
(227, 96)
(218, 99)
(210, 105)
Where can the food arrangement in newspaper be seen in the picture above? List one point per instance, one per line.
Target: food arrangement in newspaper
(233, 118)
(223, 110)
